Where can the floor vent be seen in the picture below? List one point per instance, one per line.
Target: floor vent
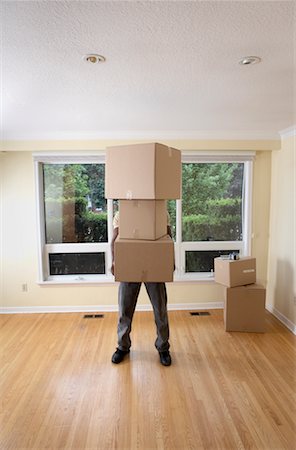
(200, 313)
(93, 316)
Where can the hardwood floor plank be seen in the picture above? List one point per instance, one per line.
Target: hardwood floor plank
(224, 391)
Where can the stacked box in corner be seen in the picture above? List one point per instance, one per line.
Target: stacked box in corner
(232, 273)
(244, 308)
(142, 177)
(244, 300)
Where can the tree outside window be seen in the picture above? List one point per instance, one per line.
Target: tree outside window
(75, 206)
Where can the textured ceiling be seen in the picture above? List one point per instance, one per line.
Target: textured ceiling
(171, 69)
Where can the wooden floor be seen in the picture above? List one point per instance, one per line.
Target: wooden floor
(223, 391)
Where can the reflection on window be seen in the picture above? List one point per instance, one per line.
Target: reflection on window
(76, 263)
(203, 261)
(171, 207)
(212, 201)
(75, 207)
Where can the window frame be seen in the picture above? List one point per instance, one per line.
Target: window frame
(44, 249)
(244, 246)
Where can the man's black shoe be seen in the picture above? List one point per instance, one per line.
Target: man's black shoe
(119, 355)
(165, 358)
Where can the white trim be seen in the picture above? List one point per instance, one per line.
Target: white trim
(285, 321)
(153, 135)
(42, 259)
(140, 307)
(288, 132)
(247, 207)
(77, 279)
(104, 308)
(108, 262)
(43, 248)
(99, 157)
(244, 246)
(231, 156)
(82, 247)
(89, 157)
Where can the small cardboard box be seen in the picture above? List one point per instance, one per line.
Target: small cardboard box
(244, 308)
(143, 172)
(142, 219)
(233, 273)
(137, 260)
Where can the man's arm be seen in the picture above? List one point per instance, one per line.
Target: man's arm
(115, 234)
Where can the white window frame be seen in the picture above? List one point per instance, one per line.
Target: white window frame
(243, 246)
(45, 249)
(180, 247)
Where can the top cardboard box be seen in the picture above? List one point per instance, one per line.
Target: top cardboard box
(143, 171)
(232, 273)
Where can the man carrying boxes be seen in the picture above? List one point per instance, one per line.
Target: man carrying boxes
(244, 307)
(142, 177)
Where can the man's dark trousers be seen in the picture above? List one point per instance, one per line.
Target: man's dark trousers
(127, 299)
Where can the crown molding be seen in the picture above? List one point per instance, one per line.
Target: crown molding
(288, 132)
(153, 135)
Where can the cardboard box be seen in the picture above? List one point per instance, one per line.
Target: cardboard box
(244, 308)
(143, 172)
(137, 260)
(142, 219)
(233, 273)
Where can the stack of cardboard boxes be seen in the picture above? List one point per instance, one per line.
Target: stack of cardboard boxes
(244, 300)
(143, 177)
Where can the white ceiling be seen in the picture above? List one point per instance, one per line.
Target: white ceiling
(171, 69)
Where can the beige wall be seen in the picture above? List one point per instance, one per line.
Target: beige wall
(281, 290)
(20, 243)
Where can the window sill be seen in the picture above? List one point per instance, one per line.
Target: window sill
(109, 280)
(64, 280)
(194, 279)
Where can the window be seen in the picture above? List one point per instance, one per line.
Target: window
(213, 217)
(73, 212)
(75, 219)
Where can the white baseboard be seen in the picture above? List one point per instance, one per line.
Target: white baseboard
(103, 308)
(285, 321)
(114, 308)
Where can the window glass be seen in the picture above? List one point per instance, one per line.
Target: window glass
(203, 261)
(74, 203)
(171, 207)
(212, 201)
(76, 263)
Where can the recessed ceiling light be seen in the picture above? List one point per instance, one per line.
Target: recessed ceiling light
(247, 60)
(94, 59)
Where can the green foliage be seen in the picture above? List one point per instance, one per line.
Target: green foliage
(212, 201)
(75, 205)
(92, 227)
(65, 181)
(202, 182)
(68, 221)
(221, 221)
(70, 190)
(171, 207)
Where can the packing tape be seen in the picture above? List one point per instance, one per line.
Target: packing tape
(248, 270)
(144, 275)
(129, 195)
(170, 152)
